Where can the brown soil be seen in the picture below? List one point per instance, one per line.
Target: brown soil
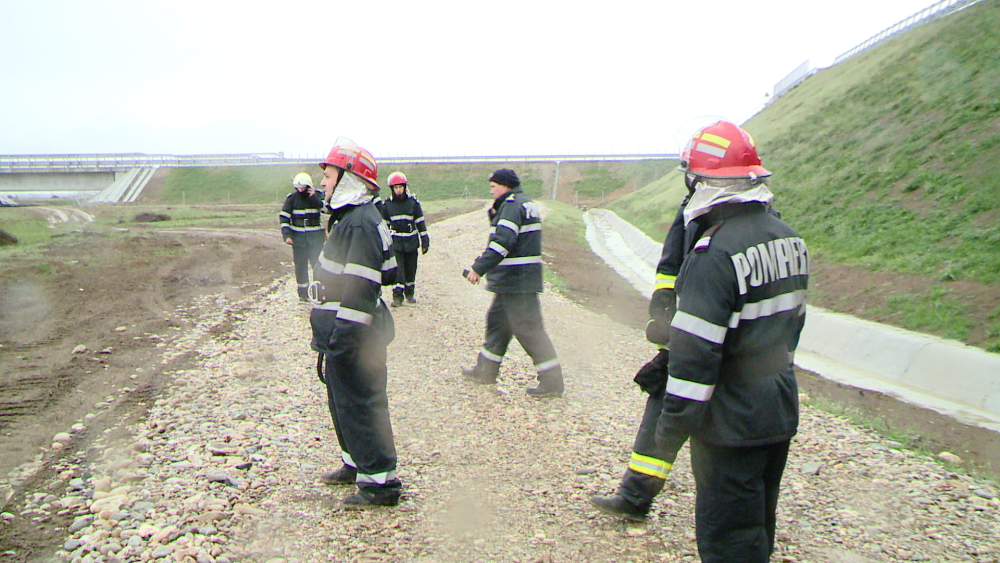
(118, 294)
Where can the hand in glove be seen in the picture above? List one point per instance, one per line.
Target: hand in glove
(662, 306)
(652, 377)
(425, 248)
(658, 332)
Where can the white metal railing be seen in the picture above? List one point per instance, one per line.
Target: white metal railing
(116, 162)
(937, 10)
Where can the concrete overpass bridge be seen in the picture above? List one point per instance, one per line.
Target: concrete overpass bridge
(120, 178)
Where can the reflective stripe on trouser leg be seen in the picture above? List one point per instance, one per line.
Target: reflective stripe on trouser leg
(637, 487)
(357, 379)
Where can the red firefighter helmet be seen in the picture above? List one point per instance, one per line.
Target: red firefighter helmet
(722, 150)
(348, 156)
(396, 178)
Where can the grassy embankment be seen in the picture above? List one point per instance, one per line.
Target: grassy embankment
(889, 162)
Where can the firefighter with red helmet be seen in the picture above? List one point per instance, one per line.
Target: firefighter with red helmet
(302, 229)
(730, 386)
(409, 234)
(352, 326)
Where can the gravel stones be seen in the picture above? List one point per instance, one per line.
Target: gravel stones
(225, 465)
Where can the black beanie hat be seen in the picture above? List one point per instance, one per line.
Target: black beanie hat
(506, 177)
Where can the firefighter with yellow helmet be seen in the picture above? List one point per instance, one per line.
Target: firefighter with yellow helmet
(302, 229)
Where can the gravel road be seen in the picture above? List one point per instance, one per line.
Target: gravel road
(223, 469)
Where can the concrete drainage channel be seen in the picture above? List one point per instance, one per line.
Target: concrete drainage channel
(946, 376)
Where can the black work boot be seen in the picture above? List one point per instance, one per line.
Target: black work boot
(346, 475)
(485, 372)
(411, 299)
(549, 385)
(371, 497)
(397, 300)
(616, 505)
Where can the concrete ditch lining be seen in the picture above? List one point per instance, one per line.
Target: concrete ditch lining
(943, 375)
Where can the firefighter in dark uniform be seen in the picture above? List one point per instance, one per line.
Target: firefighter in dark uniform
(301, 228)
(731, 389)
(409, 234)
(646, 474)
(512, 264)
(352, 326)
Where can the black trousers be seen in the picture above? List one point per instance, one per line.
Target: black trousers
(638, 486)
(306, 248)
(356, 393)
(406, 273)
(518, 315)
(737, 498)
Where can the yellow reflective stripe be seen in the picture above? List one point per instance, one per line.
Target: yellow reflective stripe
(721, 141)
(663, 281)
(649, 466)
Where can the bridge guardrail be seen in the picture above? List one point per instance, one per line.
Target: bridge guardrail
(116, 162)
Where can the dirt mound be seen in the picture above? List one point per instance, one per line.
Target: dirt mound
(7, 238)
(148, 217)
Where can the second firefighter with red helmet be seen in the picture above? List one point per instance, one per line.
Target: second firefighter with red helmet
(409, 234)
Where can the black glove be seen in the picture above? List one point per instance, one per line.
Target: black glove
(658, 332)
(662, 306)
(652, 377)
(425, 248)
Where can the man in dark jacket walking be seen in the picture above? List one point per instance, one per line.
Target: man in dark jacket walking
(301, 228)
(512, 264)
(409, 234)
(352, 326)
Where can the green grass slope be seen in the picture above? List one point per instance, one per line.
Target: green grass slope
(890, 163)
(891, 159)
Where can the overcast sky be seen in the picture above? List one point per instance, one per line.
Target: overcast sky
(408, 77)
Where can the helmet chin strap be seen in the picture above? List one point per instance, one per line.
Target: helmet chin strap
(691, 180)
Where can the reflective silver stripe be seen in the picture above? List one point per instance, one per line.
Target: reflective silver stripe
(531, 227)
(398, 286)
(412, 234)
(303, 285)
(553, 363)
(689, 389)
(509, 224)
(348, 460)
(401, 218)
(498, 248)
(709, 149)
(520, 261)
(419, 220)
(328, 306)
(330, 265)
(389, 264)
(699, 327)
(284, 214)
(303, 229)
(305, 211)
(377, 478)
(703, 243)
(490, 356)
(768, 307)
(365, 272)
(355, 316)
